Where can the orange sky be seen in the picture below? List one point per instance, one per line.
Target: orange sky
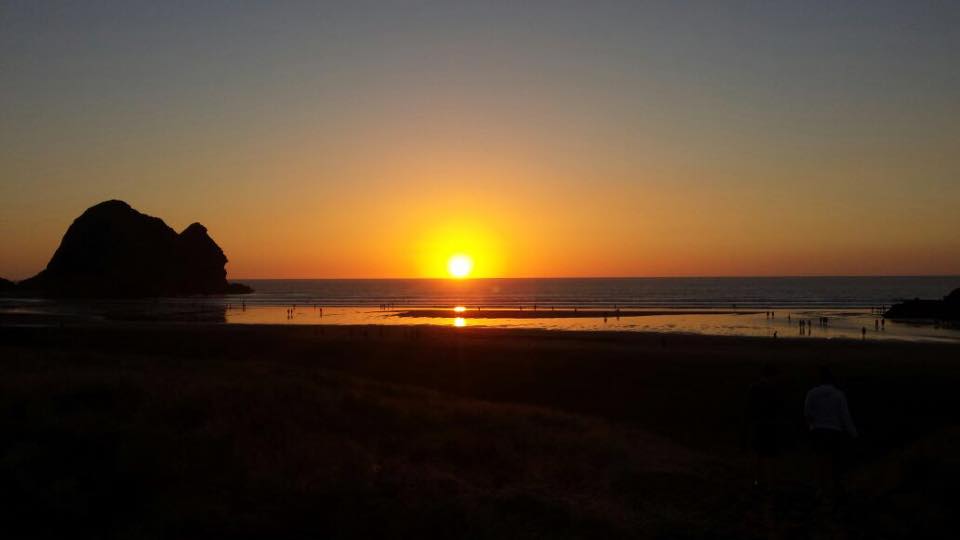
(613, 140)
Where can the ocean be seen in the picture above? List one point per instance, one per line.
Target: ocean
(740, 292)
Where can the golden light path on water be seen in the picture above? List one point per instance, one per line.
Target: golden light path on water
(848, 323)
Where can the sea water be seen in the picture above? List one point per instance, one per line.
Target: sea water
(740, 292)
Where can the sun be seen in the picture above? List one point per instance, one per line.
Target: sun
(460, 266)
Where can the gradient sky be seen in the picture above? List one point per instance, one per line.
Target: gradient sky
(552, 138)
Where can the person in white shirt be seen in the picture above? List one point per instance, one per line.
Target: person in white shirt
(831, 428)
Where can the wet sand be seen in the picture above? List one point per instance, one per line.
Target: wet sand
(548, 313)
(193, 430)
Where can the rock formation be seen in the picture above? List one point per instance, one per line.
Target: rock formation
(112, 250)
(6, 285)
(947, 309)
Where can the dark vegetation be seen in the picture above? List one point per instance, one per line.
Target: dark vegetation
(189, 431)
(112, 251)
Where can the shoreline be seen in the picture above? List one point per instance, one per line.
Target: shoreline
(544, 322)
(549, 313)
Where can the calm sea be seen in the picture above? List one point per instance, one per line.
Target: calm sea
(783, 292)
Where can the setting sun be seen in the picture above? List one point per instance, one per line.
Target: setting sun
(460, 266)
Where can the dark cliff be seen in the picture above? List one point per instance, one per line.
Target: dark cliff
(947, 309)
(7, 285)
(112, 250)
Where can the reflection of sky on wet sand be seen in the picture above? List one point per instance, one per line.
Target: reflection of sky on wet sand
(842, 323)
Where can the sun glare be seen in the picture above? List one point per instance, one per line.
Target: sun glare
(459, 309)
(460, 266)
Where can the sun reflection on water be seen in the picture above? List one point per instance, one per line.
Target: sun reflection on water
(459, 322)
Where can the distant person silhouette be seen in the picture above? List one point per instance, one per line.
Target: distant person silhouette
(863, 332)
(764, 416)
(876, 324)
(831, 428)
(883, 324)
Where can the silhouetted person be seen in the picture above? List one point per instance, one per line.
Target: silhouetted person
(831, 428)
(764, 415)
(883, 324)
(863, 332)
(876, 324)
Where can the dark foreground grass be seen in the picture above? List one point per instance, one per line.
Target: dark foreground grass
(221, 432)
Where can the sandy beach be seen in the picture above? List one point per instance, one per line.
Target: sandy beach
(193, 430)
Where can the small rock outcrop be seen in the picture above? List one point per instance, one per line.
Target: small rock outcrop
(112, 250)
(947, 309)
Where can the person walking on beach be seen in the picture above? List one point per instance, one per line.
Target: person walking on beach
(831, 428)
(764, 414)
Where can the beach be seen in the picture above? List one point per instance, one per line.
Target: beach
(197, 429)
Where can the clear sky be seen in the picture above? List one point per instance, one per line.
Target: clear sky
(554, 138)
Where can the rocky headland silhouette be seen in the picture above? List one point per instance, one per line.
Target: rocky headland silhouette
(947, 309)
(114, 251)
